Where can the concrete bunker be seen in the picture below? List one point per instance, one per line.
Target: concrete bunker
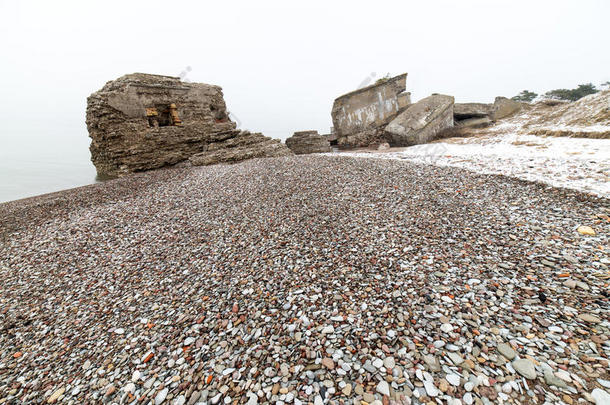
(163, 115)
(143, 121)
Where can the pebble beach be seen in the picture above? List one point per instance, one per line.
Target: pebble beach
(306, 280)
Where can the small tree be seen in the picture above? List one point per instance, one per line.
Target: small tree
(383, 79)
(526, 96)
(606, 84)
(572, 94)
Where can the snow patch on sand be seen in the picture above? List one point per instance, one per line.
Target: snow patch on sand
(576, 163)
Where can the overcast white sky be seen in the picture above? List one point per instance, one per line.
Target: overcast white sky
(281, 64)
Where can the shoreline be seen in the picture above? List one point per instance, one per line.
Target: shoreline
(346, 153)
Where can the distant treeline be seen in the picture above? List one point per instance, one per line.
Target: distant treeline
(562, 94)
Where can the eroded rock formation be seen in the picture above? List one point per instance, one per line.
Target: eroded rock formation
(141, 121)
(305, 142)
(236, 146)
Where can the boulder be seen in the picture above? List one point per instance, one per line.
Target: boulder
(142, 121)
(331, 138)
(422, 121)
(503, 107)
(305, 142)
(367, 137)
(463, 111)
(235, 146)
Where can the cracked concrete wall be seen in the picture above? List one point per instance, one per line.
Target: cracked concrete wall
(359, 114)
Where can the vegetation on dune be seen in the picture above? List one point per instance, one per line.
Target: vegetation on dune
(562, 94)
(572, 94)
(526, 96)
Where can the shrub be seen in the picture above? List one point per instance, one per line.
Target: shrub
(572, 94)
(526, 96)
(383, 79)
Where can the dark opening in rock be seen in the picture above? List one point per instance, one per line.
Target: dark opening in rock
(164, 116)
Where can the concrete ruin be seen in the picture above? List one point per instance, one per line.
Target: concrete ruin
(476, 115)
(142, 121)
(383, 113)
(359, 116)
(422, 121)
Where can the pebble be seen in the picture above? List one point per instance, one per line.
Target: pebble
(328, 363)
(303, 279)
(586, 230)
(368, 397)
(389, 363)
(383, 388)
(432, 362)
(446, 327)
(507, 351)
(525, 367)
(589, 318)
(55, 396)
(431, 389)
(453, 379)
(455, 358)
(161, 395)
(600, 396)
(552, 379)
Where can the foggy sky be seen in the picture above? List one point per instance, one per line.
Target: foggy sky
(282, 63)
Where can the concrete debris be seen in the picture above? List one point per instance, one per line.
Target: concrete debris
(422, 121)
(462, 111)
(504, 107)
(359, 116)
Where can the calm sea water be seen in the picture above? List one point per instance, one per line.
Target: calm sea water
(34, 161)
(38, 163)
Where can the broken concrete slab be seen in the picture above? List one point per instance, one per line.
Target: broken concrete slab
(503, 107)
(359, 116)
(422, 121)
(305, 142)
(462, 111)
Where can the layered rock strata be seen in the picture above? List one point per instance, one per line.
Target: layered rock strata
(305, 142)
(142, 121)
